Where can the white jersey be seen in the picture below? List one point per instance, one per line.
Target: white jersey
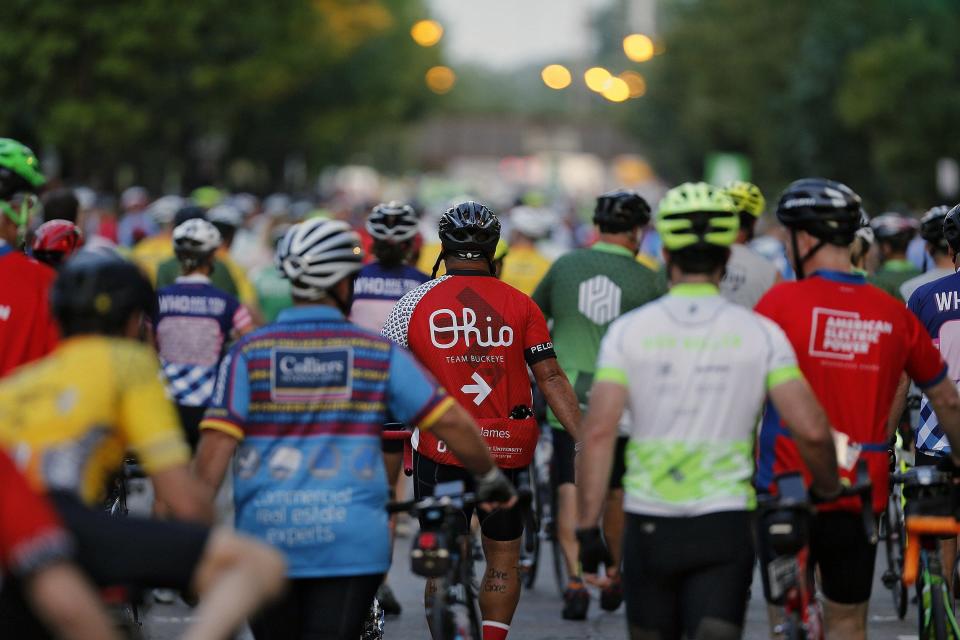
(697, 369)
(748, 276)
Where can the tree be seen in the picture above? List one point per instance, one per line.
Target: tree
(156, 84)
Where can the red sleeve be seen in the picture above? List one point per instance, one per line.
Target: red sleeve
(924, 364)
(537, 344)
(30, 534)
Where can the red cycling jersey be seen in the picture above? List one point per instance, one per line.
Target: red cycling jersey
(852, 342)
(27, 328)
(477, 335)
(30, 534)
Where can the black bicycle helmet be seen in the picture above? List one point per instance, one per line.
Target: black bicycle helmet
(951, 228)
(95, 293)
(470, 231)
(931, 226)
(829, 211)
(621, 210)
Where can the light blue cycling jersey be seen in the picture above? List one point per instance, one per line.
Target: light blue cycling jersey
(308, 396)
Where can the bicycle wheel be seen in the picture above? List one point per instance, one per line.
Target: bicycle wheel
(530, 545)
(793, 628)
(894, 545)
(467, 615)
(938, 614)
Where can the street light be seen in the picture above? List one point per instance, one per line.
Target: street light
(556, 76)
(426, 33)
(596, 78)
(638, 47)
(440, 79)
(635, 82)
(616, 90)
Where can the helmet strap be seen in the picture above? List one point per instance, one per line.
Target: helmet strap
(436, 265)
(798, 260)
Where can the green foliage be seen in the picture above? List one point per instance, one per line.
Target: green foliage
(860, 92)
(155, 84)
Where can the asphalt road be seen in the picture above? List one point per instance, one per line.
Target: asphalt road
(538, 616)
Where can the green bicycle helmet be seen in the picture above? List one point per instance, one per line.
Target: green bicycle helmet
(697, 215)
(747, 197)
(19, 173)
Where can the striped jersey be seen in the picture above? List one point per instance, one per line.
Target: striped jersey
(307, 396)
(377, 290)
(195, 321)
(937, 305)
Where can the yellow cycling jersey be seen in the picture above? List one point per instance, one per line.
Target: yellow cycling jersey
(69, 419)
(524, 268)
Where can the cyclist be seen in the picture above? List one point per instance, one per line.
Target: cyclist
(477, 335)
(931, 230)
(748, 274)
(169, 270)
(893, 232)
(392, 227)
(693, 369)
(69, 419)
(527, 265)
(27, 330)
(306, 399)
(194, 324)
(583, 292)
(932, 303)
(852, 343)
(35, 552)
(55, 241)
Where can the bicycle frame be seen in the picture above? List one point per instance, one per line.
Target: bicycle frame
(922, 564)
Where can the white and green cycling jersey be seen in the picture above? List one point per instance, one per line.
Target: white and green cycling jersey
(697, 369)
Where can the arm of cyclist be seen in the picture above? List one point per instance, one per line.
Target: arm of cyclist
(214, 453)
(559, 393)
(595, 461)
(810, 429)
(462, 435)
(899, 404)
(945, 401)
(64, 600)
(182, 495)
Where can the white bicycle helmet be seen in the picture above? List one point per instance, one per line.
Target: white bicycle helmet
(392, 221)
(194, 242)
(164, 209)
(317, 254)
(532, 222)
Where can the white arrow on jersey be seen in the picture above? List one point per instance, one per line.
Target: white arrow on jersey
(482, 389)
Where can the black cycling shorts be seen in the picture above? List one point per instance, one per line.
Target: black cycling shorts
(502, 525)
(840, 548)
(564, 452)
(319, 609)
(680, 572)
(113, 551)
(845, 557)
(190, 418)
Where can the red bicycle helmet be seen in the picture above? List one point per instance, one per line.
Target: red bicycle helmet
(55, 241)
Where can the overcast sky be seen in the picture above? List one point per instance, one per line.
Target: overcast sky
(510, 33)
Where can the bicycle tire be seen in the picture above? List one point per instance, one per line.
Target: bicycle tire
(893, 544)
(938, 613)
(793, 628)
(440, 620)
(471, 598)
(559, 561)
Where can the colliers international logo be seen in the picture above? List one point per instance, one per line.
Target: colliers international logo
(310, 374)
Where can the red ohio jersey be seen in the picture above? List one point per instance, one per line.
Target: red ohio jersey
(852, 342)
(27, 328)
(477, 335)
